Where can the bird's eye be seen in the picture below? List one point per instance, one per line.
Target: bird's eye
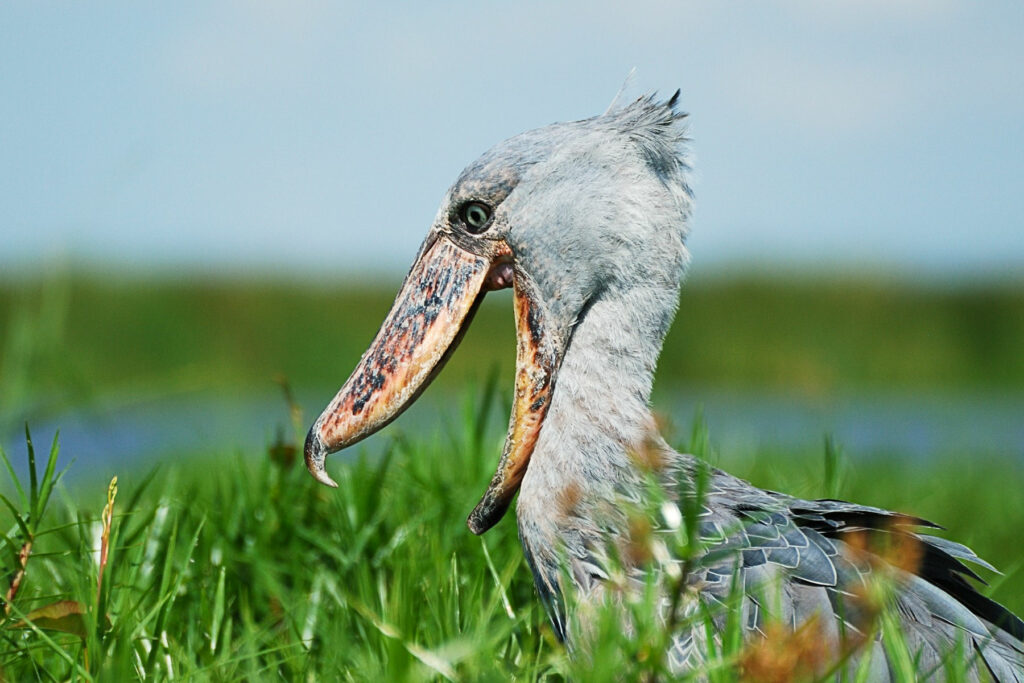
(476, 216)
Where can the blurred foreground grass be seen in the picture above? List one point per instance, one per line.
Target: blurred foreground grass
(219, 567)
(67, 338)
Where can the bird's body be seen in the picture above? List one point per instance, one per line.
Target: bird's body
(822, 565)
(587, 221)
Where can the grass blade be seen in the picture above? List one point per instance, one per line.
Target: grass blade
(33, 486)
(14, 478)
(51, 644)
(17, 517)
(218, 612)
(497, 581)
(48, 479)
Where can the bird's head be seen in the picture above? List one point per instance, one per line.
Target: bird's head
(561, 214)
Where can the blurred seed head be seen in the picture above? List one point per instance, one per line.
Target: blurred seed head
(785, 654)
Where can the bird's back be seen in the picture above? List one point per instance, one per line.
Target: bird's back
(835, 572)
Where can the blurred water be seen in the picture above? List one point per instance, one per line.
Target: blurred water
(865, 425)
(107, 441)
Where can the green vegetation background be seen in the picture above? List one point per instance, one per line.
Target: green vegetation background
(225, 567)
(70, 338)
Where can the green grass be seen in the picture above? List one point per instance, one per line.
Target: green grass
(224, 567)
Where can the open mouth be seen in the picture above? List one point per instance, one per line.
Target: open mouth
(430, 315)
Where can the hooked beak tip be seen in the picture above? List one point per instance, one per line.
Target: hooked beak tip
(316, 455)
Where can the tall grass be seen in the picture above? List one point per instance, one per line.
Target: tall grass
(238, 567)
(230, 566)
(226, 566)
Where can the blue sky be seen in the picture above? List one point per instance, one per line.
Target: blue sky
(319, 137)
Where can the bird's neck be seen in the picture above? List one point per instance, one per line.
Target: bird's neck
(599, 427)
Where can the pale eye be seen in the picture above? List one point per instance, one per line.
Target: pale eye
(476, 216)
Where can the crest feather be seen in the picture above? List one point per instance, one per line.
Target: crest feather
(657, 127)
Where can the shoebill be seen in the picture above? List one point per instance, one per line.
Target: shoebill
(587, 223)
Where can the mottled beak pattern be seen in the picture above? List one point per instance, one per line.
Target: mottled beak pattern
(428, 319)
(537, 360)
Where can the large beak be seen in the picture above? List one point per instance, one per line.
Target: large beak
(430, 314)
(538, 355)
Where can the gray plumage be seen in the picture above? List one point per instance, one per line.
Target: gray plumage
(597, 212)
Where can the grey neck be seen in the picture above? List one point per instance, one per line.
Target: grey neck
(599, 421)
